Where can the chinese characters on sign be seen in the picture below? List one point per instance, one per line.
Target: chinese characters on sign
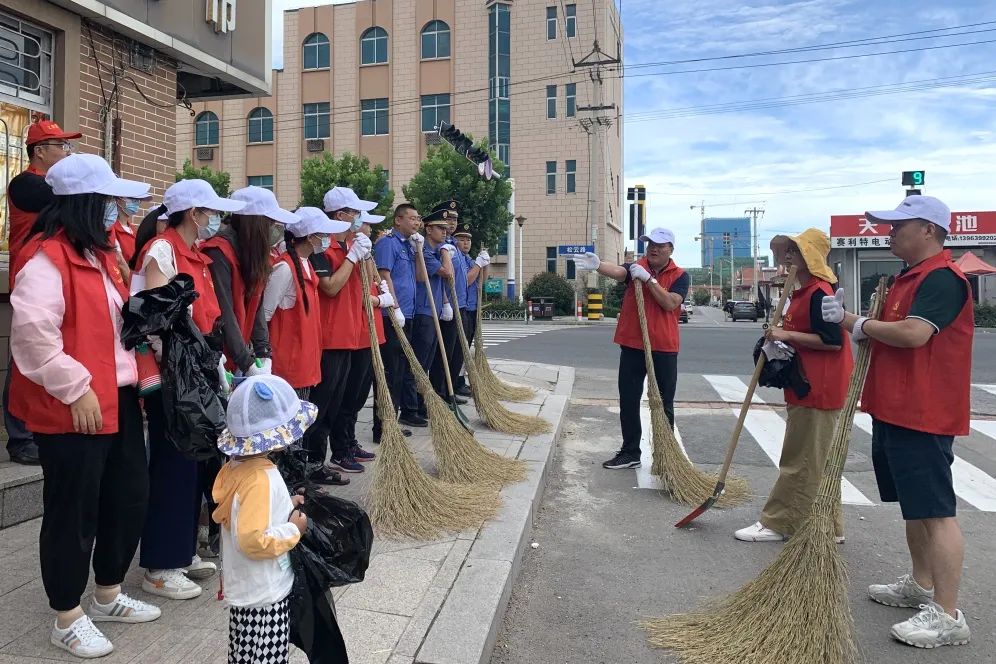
(855, 231)
(221, 13)
(574, 249)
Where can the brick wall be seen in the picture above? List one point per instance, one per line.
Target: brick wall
(148, 126)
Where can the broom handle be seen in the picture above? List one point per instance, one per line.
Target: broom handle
(435, 321)
(735, 436)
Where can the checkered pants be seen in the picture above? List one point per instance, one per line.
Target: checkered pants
(259, 635)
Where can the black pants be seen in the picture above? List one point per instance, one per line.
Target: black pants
(342, 429)
(469, 328)
(424, 343)
(17, 436)
(170, 534)
(449, 349)
(327, 395)
(95, 492)
(396, 369)
(632, 372)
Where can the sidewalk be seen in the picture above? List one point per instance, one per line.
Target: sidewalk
(439, 602)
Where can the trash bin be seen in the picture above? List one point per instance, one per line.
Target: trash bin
(542, 308)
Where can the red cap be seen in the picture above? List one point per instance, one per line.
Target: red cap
(45, 130)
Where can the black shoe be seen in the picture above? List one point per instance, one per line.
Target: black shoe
(26, 455)
(464, 391)
(458, 400)
(414, 421)
(622, 460)
(407, 433)
(326, 475)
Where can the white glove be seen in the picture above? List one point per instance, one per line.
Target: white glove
(359, 250)
(260, 368)
(639, 272)
(398, 316)
(450, 248)
(383, 287)
(386, 300)
(416, 241)
(226, 388)
(447, 312)
(589, 261)
(858, 333)
(483, 259)
(776, 350)
(833, 308)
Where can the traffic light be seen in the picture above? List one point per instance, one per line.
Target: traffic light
(914, 178)
(464, 146)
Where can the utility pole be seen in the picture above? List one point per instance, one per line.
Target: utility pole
(755, 212)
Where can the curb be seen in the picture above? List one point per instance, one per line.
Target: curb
(487, 566)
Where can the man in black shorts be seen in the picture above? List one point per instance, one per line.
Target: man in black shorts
(924, 334)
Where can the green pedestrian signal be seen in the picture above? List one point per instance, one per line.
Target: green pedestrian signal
(914, 178)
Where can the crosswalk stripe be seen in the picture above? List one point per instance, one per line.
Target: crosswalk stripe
(970, 484)
(768, 429)
(991, 389)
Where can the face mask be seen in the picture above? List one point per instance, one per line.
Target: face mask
(356, 224)
(276, 234)
(208, 231)
(326, 242)
(110, 213)
(131, 206)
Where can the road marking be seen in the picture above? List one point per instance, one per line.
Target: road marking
(991, 389)
(644, 480)
(971, 484)
(496, 336)
(768, 429)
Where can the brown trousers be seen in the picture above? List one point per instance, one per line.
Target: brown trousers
(808, 437)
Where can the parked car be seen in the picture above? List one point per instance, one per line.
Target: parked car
(689, 307)
(685, 310)
(744, 310)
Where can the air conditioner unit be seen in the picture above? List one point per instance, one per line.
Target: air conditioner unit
(432, 137)
(316, 145)
(205, 154)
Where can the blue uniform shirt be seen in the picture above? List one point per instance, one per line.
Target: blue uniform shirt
(472, 288)
(459, 278)
(395, 254)
(433, 261)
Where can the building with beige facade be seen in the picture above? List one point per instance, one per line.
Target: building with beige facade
(375, 77)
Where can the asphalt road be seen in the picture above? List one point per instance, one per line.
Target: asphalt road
(608, 555)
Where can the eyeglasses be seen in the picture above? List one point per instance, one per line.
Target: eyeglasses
(65, 145)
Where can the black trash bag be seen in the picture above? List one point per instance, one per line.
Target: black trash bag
(191, 391)
(339, 537)
(785, 374)
(292, 463)
(313, 627)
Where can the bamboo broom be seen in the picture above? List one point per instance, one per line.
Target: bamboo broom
(487, 378)
(683, 481)
(488, 407)
(796, 610)
(405, 503)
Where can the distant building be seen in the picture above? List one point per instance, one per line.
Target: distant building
(725, 237)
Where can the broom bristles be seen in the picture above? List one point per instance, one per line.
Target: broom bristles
(486, 376)
(495, 415)
(679, 477)
(406, 503)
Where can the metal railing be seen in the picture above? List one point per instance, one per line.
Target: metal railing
(504, 314)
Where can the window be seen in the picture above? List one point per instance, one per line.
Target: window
(27, 68)
(373, 47)
(260, 125)
(551, 259)
(571, 20)
(551, 23)
(551, 177)
(571, 268)
(502, 245)
(551, 102)
(435, 40)
(316, 120)
(499, 71)
(869, 272)
(373, 117)
(435, 109)
(317, 52)
(264, 181)
(206, 129)
(571, 167)
(571, 92)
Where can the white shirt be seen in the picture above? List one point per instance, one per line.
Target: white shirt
(280, 291)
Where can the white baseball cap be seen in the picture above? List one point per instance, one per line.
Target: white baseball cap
(90, 174)
(189, 194)
(658, 236)
(372, 219)
(262, 202)
(314, 220)
(340, 198)
(926, 208)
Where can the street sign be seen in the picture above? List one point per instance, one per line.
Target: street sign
(914, 178)
(574, 249)
(494, 286)
(968, 229)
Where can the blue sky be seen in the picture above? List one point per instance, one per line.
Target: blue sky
(734, 161)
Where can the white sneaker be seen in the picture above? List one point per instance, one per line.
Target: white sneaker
(200, 569)
(82, 639)
(170, 583)
(758, 533)
(124, 609)
(933, 627)
(905, 592)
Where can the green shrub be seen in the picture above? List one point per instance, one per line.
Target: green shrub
(700, 297)
(548, 284)
(985, 315)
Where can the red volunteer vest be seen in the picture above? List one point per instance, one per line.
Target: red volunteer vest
(191, 261)
(828, 372)
(124, 239)
(662, 326)
(19, 225)
(343, 318)
(245, 304)
(926, 388)
(87, 336)
(294, 334)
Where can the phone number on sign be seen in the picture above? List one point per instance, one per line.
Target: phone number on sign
(971, 238)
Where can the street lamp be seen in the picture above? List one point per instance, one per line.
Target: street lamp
(522, 222)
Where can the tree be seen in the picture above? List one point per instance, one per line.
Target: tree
(444, 174)
(220, 181)
(549, 284)
(321, 173)
(701, 297)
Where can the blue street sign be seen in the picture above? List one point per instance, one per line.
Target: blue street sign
(574, 249)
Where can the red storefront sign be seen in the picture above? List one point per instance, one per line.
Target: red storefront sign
(968, 229)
